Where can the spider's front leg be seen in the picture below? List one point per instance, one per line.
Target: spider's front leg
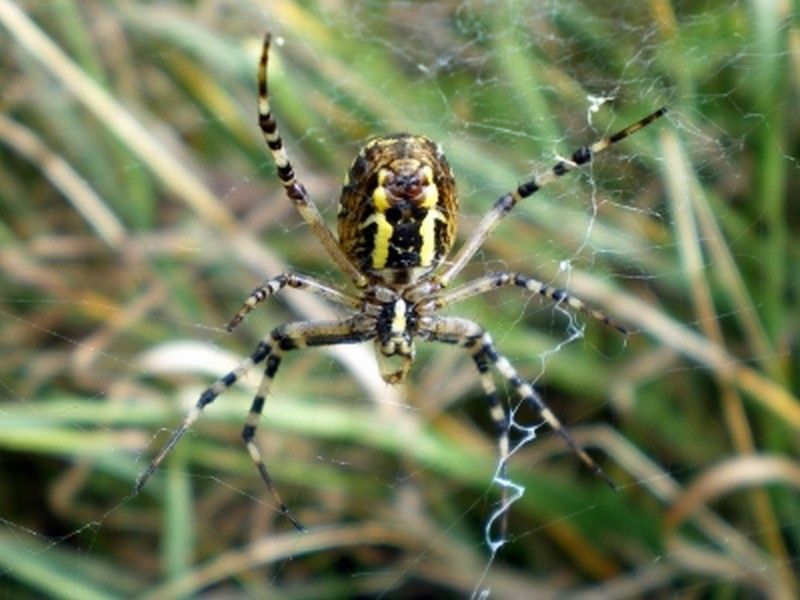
(473, 338)
(465, 333)
(282, 339)
(261, 352)
(271, 348)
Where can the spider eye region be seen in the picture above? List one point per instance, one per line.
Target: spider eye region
(397, 212)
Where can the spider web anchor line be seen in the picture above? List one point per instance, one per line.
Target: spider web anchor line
(511, 492)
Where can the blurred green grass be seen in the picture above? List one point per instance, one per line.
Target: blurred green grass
(139, 208)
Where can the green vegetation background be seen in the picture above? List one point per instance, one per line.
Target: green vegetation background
(139, 207)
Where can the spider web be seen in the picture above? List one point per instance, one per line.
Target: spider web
(140, 208)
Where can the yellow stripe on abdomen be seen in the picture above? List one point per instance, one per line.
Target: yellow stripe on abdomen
(427, 233)
(383, 235)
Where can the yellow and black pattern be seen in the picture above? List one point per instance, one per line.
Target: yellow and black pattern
(398, 208)
(397, 223)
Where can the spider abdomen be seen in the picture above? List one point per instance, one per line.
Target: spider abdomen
(397, 212)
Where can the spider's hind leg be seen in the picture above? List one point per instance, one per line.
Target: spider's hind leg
(465, 333)
(294, 189)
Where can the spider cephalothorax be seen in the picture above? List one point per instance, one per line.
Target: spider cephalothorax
(397, 223)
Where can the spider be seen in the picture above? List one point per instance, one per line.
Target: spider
(396, 224)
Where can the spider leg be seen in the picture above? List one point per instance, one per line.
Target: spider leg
(207, 397)
(493, 281)
(582, 156)
(290, 337)
(296, 191)
(479, 344)
(294, 280)
(249, 431)
(499, 416)
(485, 346)
(463, 332)
(281, 339)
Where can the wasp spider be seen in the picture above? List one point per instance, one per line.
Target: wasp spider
(396, 224)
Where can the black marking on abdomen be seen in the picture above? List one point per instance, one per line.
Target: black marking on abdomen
(404, 246)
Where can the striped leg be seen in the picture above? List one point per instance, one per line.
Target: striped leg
(498, 280)
(286, 337)
(296, 191)
(504, 204)
(294, 280)
(466, 333)
(291, 337)
(501, 421)
(478, 342)
(249, 431)
(525, 391)
(453, 330)
(207, 397)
